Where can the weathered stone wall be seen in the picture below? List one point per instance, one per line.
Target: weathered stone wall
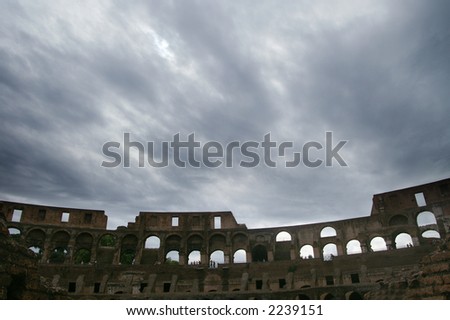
(19, 277)
(323, 260)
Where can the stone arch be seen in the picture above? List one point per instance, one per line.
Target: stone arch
(217, 242)
(59, 247)
(307, 252)
(240, 256)
(353, 247)
(152, 242)
(259, 253)
(172, 257)
(150, 254)
(194, 257)
(106, 249)
(302, 296)
(403, 240)
(14, 232)
(327, 296)
(217, 257)
(128, 249)
(84, 240)
(378, 244)
(239, 240)
(283, 236)
(82, 256)
(329, 251)
(282, 246)
(58, 255)
(35, 237)
(328, 232)
(83, 247)
(35, 240)
(37, 250)
(353, 295)
(431, 234)
(107, 240)
(172, 242)
(195, 242)
(426, 218)
(398, 220)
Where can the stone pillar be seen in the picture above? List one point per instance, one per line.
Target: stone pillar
(249, 256)
(173, 283)
(244, 282)
(317, 252)
(389, 244)
(364, 248)
(228, 255)
(290, 281)
(139, 250)
(340, 249)
(79, 284)
(270, 255)
(70, 248)
(151, 284)
(93, 253)
(294, 255)
(265, 281)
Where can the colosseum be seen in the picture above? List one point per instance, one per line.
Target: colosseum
(399, 251)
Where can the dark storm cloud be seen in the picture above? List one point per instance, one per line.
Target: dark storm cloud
(73, 77)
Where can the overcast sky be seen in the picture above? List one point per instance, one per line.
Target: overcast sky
(75, 74)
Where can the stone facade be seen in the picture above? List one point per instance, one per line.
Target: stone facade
(190, 255)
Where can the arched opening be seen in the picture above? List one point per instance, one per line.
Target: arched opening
(303, 297)
(353, 247)
(240, 256)
(195, 258)
(128, 249)
(327, 296)
(426, 218)
(217, 242)
(107, 240)
(328, 232)
(352, 295)
(152, 242)
(58, 255)
(398, 220)
(307, 252)
(82, 256)
(83, 245)
(36, 237)
(259, 253)
(106, 249)
(173, 257)
(60, 242)
(216, 258)
(127, 256)
(403, 240)
(240, 241)
(173, 242)
(14, 232)
(378, 244)
(36, 250)
(329, 251)
(431, 234)
(283, 236)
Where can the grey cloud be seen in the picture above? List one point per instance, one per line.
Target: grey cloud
(374, 76)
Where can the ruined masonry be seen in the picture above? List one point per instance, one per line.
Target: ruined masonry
(400, 251)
